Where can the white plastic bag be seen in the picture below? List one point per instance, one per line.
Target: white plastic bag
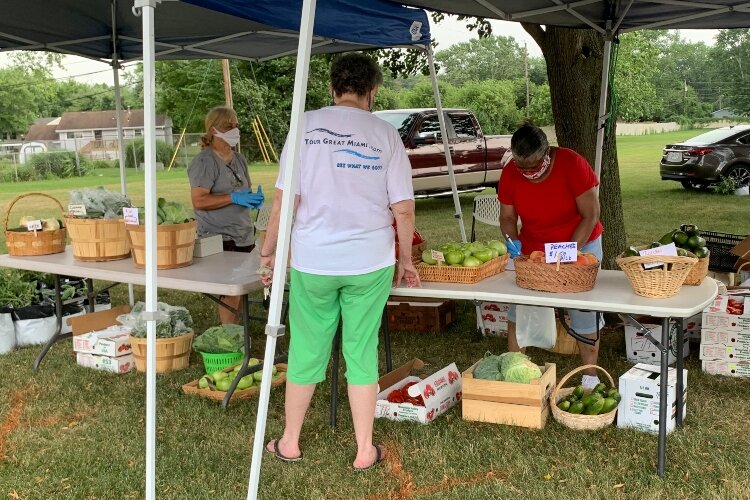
(7, 333)
(535, 326)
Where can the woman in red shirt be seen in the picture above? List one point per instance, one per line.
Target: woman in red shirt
(553, 192)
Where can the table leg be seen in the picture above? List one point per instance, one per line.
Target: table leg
(680, 338)
(57, 336)
(387, 340)
(663, 414)
(243, 369)
(90, 294)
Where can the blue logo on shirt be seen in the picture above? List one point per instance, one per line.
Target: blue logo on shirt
(329, 132)
(358, 155)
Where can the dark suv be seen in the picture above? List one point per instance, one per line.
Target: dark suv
(708, 158)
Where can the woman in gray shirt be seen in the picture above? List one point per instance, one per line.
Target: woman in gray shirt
(221, 191)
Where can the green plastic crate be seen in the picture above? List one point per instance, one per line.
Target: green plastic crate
(216, 362)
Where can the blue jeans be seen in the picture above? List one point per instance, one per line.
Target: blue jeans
(582, 322)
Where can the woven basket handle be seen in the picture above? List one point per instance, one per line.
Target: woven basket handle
(564, 380)
(19, 198)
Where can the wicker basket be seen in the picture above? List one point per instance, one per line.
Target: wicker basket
(29, 243)
(657, 282)
(459, 274)
(576, 421)
(193, 389)
(172, 354)
(174, 244)
(549, 278)
(98, 240)
(698, 272)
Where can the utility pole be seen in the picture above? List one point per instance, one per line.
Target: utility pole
(227, 84)
(526, 72)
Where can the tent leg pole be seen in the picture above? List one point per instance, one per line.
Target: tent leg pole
(446, 144)
(601, 118)
(274, 328)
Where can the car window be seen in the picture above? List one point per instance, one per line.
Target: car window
(402, 121)
(745, 139)
(463, 125)
(712, 136)
(430, 124)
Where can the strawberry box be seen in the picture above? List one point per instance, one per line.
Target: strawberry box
(113, 341)
(121, 364)
(438, 392)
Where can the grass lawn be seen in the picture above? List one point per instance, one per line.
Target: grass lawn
(70, 432)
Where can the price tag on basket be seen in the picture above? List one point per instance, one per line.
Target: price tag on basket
(669, 250)
(130, 214)
(77, 210)
(566, 251)
(34, 225)
(437, 255)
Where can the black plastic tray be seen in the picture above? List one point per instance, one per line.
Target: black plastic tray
(720, 244)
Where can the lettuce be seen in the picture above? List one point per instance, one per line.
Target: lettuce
(221, 340)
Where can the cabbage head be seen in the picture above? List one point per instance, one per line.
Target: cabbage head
(508, 359)
(488, 368)
(522, 372)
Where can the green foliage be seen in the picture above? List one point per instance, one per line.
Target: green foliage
(493, 103)
(97, 164)
(220, 340)
(540, 106)
(62, 164)
(727, 186)
(134, 154)
(15, 290)
(13, 172)
(18, 100)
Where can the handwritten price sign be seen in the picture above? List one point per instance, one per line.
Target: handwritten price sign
(560, 252)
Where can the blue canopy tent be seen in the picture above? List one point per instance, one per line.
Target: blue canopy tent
(250, 30)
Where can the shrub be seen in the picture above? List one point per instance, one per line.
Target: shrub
(726, 186)
(97, 164)
(134, 153)
(61, 164)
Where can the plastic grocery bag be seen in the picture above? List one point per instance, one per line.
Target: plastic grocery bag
(34, 324)
(7, 331)
(535, 326)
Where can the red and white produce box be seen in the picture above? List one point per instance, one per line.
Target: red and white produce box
(439, 392)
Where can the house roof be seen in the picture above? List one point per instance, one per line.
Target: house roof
(44, 129)
(97, 120)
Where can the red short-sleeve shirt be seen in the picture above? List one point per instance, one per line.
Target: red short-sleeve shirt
(548, 209)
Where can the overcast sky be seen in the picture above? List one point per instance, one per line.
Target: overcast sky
(447, 33)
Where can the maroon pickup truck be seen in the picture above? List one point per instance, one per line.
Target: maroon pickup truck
(477, 159)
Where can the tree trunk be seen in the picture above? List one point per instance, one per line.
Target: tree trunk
(574, 68)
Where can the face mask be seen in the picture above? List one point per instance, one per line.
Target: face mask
(231, 137)
(540, 170)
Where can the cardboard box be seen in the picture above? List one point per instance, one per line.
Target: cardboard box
(440, 391)
(718, 315)
(409, 314)
(492, 319)
(524, 405)
(729, 351)
(693, 326)
(742, 250)
(96, 321)
(112, 341)
(640, 390)
(727, 368)
(639, 349)
(122, 364)
(209, 245)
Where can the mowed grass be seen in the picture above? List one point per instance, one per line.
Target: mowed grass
(70, 432)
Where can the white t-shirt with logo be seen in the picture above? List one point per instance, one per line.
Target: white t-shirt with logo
(353, 166)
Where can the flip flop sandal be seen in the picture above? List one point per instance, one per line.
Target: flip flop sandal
(378, 459)
(280, 456)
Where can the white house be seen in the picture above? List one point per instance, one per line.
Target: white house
(94, 133)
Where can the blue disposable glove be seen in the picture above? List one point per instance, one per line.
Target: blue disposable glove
(514, 248)
(248, 199)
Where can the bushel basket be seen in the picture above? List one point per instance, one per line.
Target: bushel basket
(98, 240)
(172, 353)
(544, 277)
(459, 274)
(175, 244)
(23, 243)
(580, 422)
(657, 282)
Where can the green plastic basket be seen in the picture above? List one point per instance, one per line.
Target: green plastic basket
(216, 362)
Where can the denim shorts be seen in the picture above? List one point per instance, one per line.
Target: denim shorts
(582, 322)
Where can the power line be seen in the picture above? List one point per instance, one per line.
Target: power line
(47, 80)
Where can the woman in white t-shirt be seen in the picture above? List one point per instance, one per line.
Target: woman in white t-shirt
(355, 177)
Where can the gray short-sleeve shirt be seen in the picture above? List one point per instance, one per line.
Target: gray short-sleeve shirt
(233, 222)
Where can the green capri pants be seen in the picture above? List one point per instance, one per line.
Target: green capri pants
(316, 303)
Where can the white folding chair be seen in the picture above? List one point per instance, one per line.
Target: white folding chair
(486, 211)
